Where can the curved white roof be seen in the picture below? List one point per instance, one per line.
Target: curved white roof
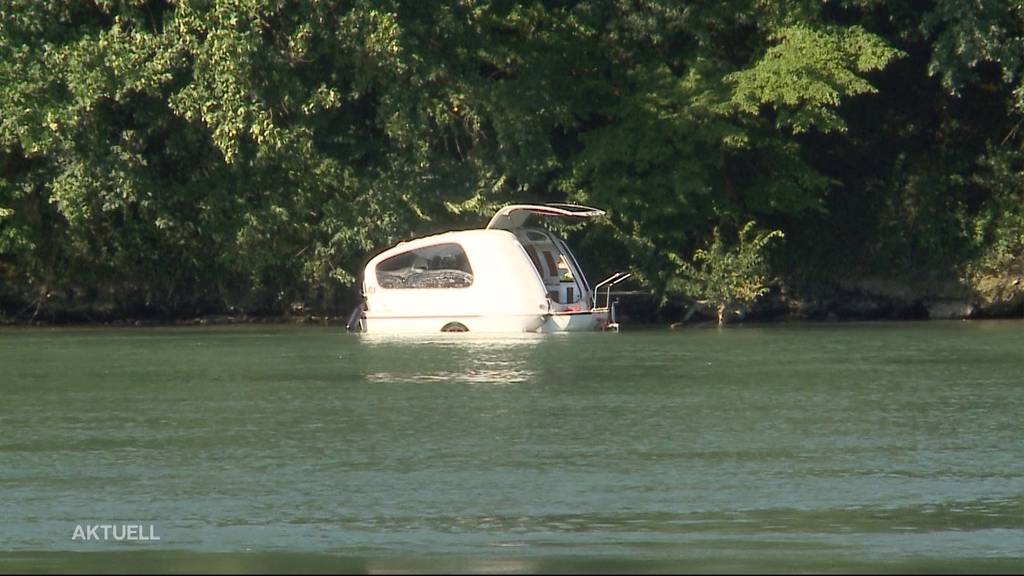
(460, 236)
(515, 215)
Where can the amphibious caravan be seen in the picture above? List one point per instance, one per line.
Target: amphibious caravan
(507, 277)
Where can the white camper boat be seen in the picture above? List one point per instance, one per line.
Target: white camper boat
(506, 277)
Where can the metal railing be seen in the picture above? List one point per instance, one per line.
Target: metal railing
(607, 284)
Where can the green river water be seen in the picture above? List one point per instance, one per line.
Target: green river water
(888, 447)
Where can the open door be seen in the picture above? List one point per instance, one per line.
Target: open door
(566, 285)
(515, 215)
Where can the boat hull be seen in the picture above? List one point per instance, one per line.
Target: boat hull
(588, 321)
(546, 323)
(434, 324)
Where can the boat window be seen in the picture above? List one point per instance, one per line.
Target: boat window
(552, 267)
(532, 253)
(439, 266)
(575, 263)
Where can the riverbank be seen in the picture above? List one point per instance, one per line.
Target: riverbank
(637, 311)
(870, 299)
(866, 299)
(205, 320)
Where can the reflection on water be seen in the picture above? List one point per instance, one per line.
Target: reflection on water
(490, 359)
(502, 374)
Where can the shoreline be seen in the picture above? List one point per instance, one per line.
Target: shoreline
(636, 309)
(340, 322)
(205, 320)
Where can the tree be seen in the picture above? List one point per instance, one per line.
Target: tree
(188, 157)
(727, 279)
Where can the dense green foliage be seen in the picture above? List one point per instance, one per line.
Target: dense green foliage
(727, 279)
(186, 157)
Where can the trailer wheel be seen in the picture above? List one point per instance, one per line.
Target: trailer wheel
(454, 327)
